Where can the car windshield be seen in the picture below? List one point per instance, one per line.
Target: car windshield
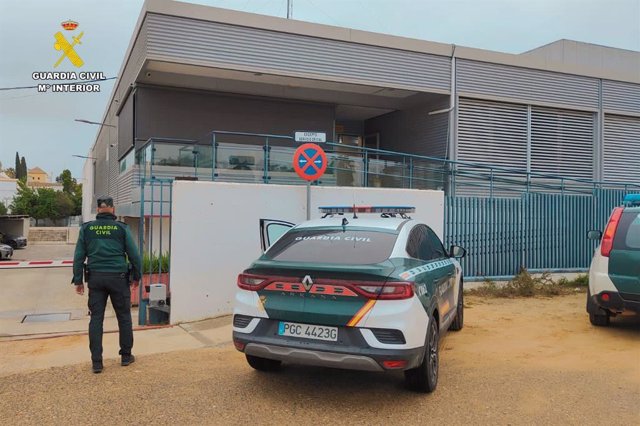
(628, 235)
(350, 247)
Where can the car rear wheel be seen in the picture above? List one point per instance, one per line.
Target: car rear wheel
(458, 321)
(600, 320)
(597, 316)
(424, 378)
(263, 364)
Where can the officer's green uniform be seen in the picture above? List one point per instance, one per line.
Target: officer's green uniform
(107, 244)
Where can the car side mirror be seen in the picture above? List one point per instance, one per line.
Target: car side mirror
(457, 252)
(594, 234)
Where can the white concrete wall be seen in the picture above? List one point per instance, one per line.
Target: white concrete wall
(215, 232)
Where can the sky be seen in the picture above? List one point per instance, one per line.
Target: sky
(41, 126)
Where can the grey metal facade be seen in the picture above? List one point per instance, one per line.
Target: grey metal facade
(621, 157)
(234, 47)
(516, 111)
(523, 85)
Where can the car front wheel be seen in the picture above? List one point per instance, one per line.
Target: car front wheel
(424, 378)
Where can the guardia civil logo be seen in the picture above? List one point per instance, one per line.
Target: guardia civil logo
(67, 48)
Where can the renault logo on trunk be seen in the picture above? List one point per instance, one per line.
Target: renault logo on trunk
(307, 282)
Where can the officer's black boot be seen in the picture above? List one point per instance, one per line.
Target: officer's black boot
(127, 359)
(97, 367)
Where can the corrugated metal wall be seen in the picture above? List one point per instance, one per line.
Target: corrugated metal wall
(537, 231)
(620, 97)
(562, 142)
(621, 159)
(210, 43)
(492, 133)
(526, 85)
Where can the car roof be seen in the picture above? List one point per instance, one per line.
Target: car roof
(362, 221)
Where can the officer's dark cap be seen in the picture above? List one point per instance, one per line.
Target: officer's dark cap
(105, 202)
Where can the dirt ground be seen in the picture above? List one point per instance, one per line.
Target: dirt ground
(519, 361)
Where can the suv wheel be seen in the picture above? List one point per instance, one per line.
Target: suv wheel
(424, 378)
(600, 320)
(263, 364)
(458, 321)
(597, 316)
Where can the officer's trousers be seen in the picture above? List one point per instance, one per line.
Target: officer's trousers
(116, 287)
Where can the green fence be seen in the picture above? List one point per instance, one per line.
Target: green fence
(541, 232)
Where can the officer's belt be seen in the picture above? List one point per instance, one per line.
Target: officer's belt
(93, 274)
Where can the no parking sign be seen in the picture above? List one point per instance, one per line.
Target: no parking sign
(310, 161)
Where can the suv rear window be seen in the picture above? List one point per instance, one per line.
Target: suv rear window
(351, 247)
(628, 233)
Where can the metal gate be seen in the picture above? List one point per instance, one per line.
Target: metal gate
(154, 240)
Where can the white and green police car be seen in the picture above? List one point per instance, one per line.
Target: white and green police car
(614, 276)
(354, 291)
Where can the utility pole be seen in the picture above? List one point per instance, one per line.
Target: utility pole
(289, 9)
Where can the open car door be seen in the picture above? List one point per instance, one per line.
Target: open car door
(271, 230)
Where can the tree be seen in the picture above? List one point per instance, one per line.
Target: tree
(17, 166)
(11, 172)
(23, 169)
(63, 206)
(25, 201)
(3, 209)
(68, 182)
(71, 187)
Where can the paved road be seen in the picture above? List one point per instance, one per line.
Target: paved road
(516, 362)
(45, 252)
(27, 291)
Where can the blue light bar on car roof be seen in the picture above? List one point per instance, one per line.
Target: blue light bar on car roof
(631, 200)
(367, 209)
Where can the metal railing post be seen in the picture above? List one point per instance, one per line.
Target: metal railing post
(410, 172)
(366, 168)
(214, 156)
(265, 173)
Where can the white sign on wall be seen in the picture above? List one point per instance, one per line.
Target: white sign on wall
(314, 137)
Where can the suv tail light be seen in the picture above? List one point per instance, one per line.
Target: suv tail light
(610, 231)
(383, 290)
(252, 282)
(379, 290)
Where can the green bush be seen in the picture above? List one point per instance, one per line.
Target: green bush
(153, 263)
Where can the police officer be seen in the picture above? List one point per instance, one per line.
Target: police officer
(108, 244)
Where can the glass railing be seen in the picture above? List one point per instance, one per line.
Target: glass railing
(260, 158)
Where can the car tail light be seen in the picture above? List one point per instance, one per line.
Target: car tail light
(605, 297)
(610, 232)
(384, 290)
(239, 345)
(252, 282)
